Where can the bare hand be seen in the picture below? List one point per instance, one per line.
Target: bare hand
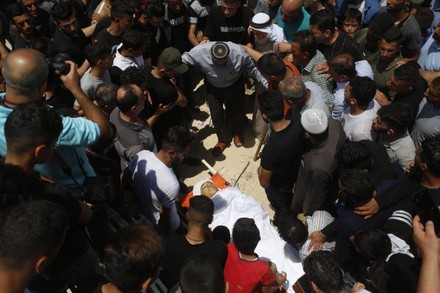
(199, 36)
(381, 99)
(367, 210)
(71, 79)
(284, 47)
(411, 168)
(426, 240)
(317, 240)
(322, 68)
(357, 286)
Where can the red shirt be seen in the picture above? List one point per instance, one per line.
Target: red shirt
(244, 275)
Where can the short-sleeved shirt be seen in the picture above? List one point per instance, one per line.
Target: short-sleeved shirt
(282, 155)
(76, 134)
(358, 127)
(401, 151)
(246, 276)
(427, 124)
(131, 138)
(233, 29)
(72, 46)
(179, 26)
(429, 58)
(291, 28)
(198, 14)
(89, 83)
(411, 34)
(156, 185)
(343, 43)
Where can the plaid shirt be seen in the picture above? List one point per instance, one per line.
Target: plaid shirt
(309, 74)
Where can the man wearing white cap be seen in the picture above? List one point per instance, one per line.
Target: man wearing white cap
(265, 33)
(317, 184)
(223, 64)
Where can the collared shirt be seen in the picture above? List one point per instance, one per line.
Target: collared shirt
(309, 73)
(223, 76)
(429, 58)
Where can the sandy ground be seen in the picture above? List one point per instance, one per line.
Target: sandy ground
(231, 163)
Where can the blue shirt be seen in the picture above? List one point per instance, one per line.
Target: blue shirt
(429, 58)
(76, 134)
(296, 25)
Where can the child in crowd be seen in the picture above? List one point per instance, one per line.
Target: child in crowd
(351, 21)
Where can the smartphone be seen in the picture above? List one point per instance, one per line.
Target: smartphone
(427, 210)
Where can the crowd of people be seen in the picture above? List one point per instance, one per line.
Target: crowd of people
(96, 103)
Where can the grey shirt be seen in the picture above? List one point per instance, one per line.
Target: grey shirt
(427, 123)
(223, 76)
(131, 138)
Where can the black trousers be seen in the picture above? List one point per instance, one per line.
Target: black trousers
(233, 99)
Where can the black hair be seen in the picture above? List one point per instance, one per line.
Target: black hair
(97, 51)
(133, 256)
(363, 90)
(155, 8)
(105, 94)
(29, 230)
(31, 124)
(375, 245)
(322, 269)
(393, 35)
(61, 11)
(436, 82)
(120, 9)
(353, 14)
(133, 39)
(245, 235)
(127, 98)
(16, 186)
(177, 138)
(134, 75)
(431, 154)
(425, 17)
(390, 277)
(202, 273)
(201, 210)
(343, 64)
(357, 185)
(324, 20)
(397, 116)
(271, 64)
(15, 9)
(293, 231)
(271, 104)
(306, 41)
(354, 155)
(407, 72)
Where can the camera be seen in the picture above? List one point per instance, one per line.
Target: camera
(58, 64)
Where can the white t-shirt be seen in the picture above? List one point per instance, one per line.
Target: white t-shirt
(358, 127)
(156, 185)
(401, 151)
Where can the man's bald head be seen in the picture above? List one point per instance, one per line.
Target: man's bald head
(25, 71)
(290, 10)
